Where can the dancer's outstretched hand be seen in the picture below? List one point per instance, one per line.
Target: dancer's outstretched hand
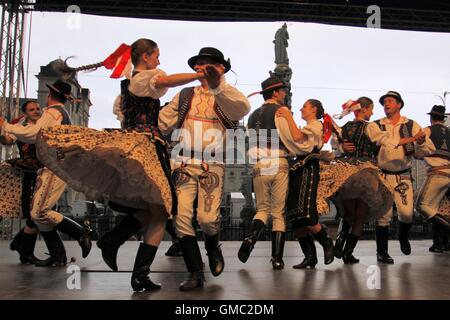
(213, 74)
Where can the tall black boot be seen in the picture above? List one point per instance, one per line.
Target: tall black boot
(193, 259)
(80, 233)
(112, 240)
(17, 243)
(277, 250)
(403, 237)
(248, 244)
(437, 239)
(350, 245)
(56, 250)
(175, 248)
(144, 259)
(344, 229)
(444, 237)
(29, 242)
(215, 257)
(327, 244)
(309, 250)
(382, 235)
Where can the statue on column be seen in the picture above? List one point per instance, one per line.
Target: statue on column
(282, 69)
(281, 43)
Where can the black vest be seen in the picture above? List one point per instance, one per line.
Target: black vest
(140, 113)
(440, 135)
(405, 132)
(66, 118)
(263, 121)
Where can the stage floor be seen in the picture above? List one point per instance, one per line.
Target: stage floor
(422, 275)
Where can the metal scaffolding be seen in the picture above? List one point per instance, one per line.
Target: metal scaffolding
(13, 15)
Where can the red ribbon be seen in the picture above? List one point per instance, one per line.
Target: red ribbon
(327, 128)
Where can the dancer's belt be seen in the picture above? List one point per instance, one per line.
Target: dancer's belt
(397, 173)
(437, 170)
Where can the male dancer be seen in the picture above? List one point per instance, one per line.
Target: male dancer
(270, 173)
(49, 187)
(212, 107)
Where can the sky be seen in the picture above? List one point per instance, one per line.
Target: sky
(329, 63)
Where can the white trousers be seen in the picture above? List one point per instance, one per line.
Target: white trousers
(47, 192)
(271, 191)
(403, 199)
(194, 181)
(431, 194)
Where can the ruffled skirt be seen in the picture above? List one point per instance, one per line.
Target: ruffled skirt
(341, 180)
(10, 191)
(119, 166)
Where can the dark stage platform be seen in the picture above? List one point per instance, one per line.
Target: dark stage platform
(423, 275)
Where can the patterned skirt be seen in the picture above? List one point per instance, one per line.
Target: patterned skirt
(10, 191)
(130, 169)
(444, 206)
(341, 180)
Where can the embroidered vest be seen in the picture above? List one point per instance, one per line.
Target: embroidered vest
(263, 121)
(140, 113)
(355, 132)
(184, 105)
(405, 132)
(440, 135)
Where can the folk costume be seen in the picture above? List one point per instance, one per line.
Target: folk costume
(197, 112)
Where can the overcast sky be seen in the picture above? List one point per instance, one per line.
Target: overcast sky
(329, 63)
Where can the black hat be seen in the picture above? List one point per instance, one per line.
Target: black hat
(392, 94)
(61, 88)
(439, 111)
(271, 83)
(213, 53)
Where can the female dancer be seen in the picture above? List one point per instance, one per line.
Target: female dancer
(130, 168)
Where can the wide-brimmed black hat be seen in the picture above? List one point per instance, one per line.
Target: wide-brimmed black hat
(439, 111)
(61, 88)
(213, 53)
(392, 94)
(270, 84)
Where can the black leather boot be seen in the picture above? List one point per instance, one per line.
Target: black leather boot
(29, 242)
(80, 233)
(112, 240)
(382, 235)
(193, 259)
(350, 245)
(17, 243)
(144, 258)
(309, 250)
(56, 250)
(344, 229)
(437, 239)
(215, 257)
(445, 242)
(249, 241)
(327, 244)
(403, 237)
(175, 248)
(277, 250)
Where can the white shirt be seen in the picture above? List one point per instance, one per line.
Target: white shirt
(142, 84)
(313, 131)
(391, 156)
(28, 134)
(202, 130)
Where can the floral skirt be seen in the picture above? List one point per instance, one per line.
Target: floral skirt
(444, 206)
(341, 180)
(119, 166)
(10, 191)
